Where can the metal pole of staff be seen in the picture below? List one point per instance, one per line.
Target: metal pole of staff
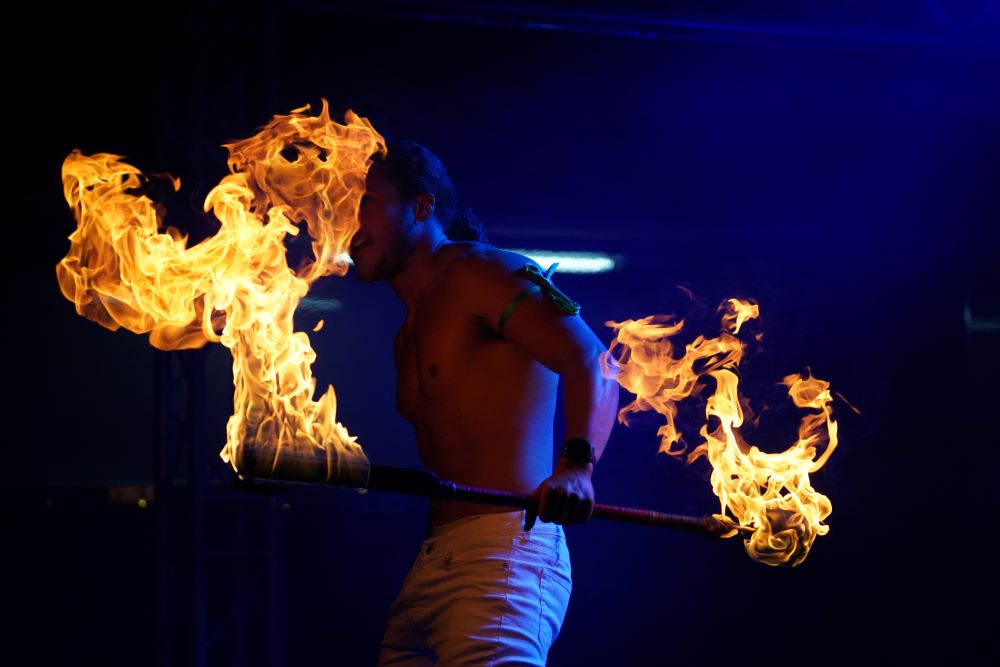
(259, 474)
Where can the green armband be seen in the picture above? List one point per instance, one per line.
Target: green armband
(543, 284)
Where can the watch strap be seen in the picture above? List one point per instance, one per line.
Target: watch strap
(579, 450)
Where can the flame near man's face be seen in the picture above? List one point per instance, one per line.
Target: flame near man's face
(122, 271)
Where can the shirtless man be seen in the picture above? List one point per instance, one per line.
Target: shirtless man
(478, 361)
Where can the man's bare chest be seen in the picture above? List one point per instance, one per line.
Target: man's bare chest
(436, 349)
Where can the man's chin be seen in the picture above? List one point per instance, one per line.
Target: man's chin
(366, 273)
(372, 269)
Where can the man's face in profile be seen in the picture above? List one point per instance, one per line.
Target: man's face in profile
(384, 239)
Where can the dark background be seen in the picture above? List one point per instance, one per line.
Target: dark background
(838, 162)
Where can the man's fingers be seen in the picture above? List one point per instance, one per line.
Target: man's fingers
(571, 509)
(578, 509)
(557, 504)
(531, 513)
(553, 505)
(529, 519)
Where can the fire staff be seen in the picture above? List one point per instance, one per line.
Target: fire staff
(479, 357)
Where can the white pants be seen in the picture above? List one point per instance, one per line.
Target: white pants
(482, 592)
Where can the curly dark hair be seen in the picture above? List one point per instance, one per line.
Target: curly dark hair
(414, 170)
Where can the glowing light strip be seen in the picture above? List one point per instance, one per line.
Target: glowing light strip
(569, 262)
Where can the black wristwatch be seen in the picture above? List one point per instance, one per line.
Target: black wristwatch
(579, 450)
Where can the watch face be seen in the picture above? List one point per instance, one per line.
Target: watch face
(579, 449)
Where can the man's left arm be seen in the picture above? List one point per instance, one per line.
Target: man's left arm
(590, 401)
(567, 346)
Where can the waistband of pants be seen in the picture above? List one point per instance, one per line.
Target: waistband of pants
(496, 523)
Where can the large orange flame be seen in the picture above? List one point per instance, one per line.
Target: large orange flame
(768, 492)
(122, 271)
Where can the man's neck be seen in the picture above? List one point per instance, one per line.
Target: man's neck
(420, 269)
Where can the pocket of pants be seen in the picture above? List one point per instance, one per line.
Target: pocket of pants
(488, 557)
(545, 549)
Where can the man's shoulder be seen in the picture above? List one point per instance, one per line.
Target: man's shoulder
(482, 278)
(481, 261)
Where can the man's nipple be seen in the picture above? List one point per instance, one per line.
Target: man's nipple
(433, 370)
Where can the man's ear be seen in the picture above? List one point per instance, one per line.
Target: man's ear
(423, 207)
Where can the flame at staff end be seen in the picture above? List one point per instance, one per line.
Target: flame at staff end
(121, 271)
(768, 492)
